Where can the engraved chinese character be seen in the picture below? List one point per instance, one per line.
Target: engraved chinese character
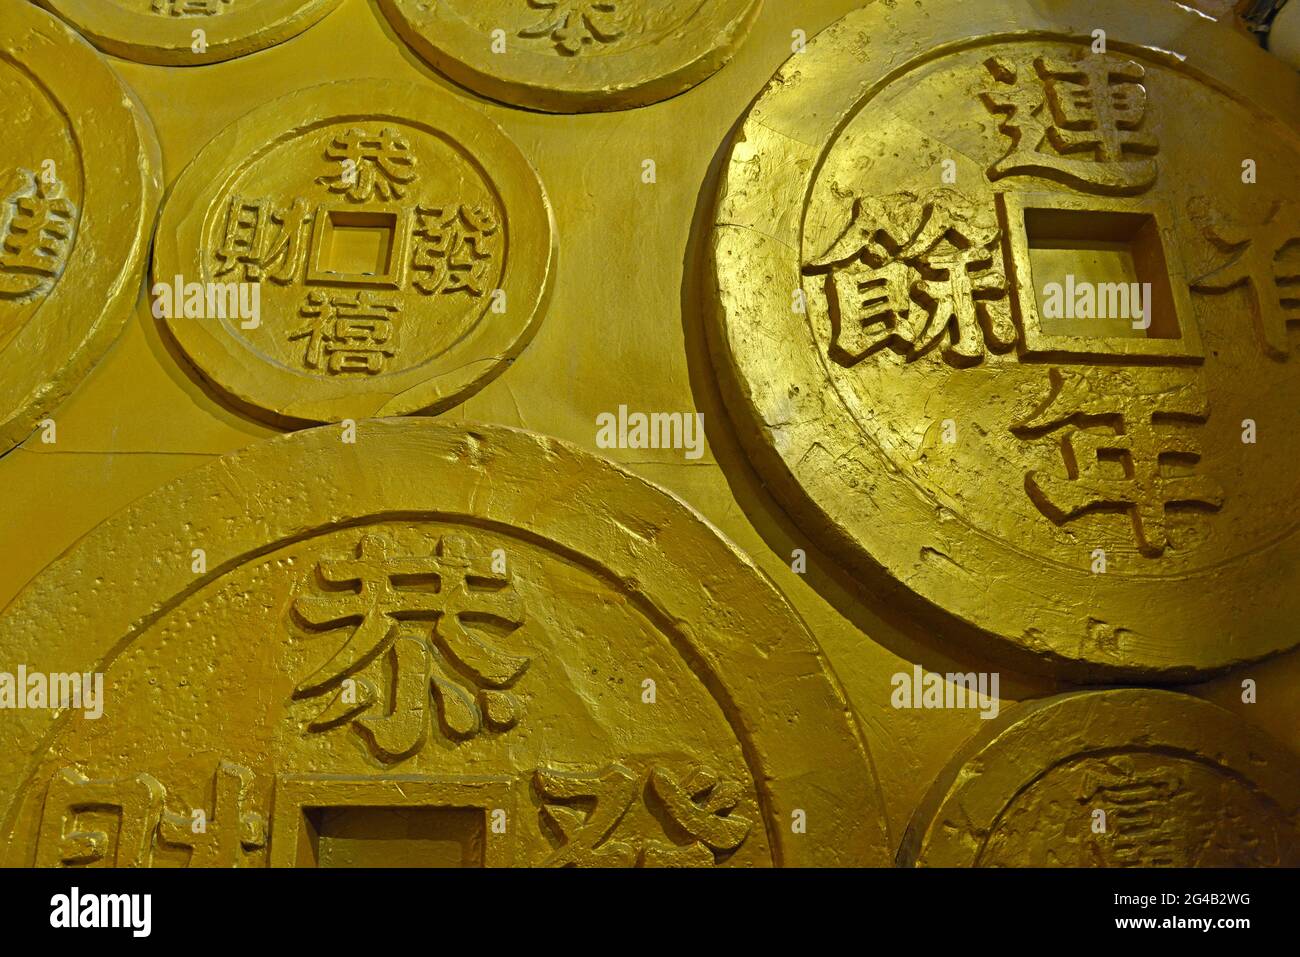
(124, 813)
(372, 164)
(1075, 122)
(572, 25)
(585, 833)
(190, 8)
(911, 275)
(605, 818)
(1140, 831)
(233, 828)
(1264, 259)
(454, 249)
(264, 240)
(345, 333)
(701, 805)
(36, 239)
(1126, 448)
(419, 622)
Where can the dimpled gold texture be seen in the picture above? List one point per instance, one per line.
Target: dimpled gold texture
(701, 433)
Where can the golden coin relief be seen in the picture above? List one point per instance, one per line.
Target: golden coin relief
(484, 673)
(76, 134)
(189, 32)
(1120, 778)
(575, 55)
(39, 204)
(1004, 318)
(1033, 324)
(361, 263)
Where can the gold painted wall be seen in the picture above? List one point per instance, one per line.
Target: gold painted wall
(625, 325)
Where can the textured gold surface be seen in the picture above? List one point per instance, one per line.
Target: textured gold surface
(218, 675)
(189, 32)
(1160, 780)
(536, 629)
(402, 249)
(79, 187)
(904, 375)
(574, 56)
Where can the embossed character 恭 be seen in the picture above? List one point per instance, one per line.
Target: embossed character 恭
(420, 624)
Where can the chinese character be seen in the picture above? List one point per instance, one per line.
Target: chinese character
(585, 834)
(264, 239)
(136, 806)
(1126, 450)
(35, 243)
(190, 8)
(348, 333)
(233, 828)
(601, 823)
(372, 164)
(574, 24)
(911, 275)
(701, 805)
(1266, 260)
(453, 249)
(1136, 802)
(1077, 123)
(431, 621)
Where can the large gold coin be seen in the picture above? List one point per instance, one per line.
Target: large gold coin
(1010, 323)
(575, 56)
(1125, 778)
(79, 189)
(482, 641)
(356, 249)
(189, 32)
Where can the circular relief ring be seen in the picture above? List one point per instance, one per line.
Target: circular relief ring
(355, 249)
(575, 56)
(189, 32)
(476, 622)
(1127, 777)
(1003, 329)
(79, 190)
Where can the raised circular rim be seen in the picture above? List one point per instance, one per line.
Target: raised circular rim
(232, 34)
(282, 395)
(96, 294)
(545, 82)
(973, 790)
(872, 535)
(799, 737)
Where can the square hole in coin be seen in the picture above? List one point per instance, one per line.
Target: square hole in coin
(356, 243)
(1110, 256)
(392, 837)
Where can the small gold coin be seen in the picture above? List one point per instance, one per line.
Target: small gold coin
(1012, 324)
(1125, 778)
(482, 633)
(575, 56)
(356, 249)
(189, 32)
(79, 189)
